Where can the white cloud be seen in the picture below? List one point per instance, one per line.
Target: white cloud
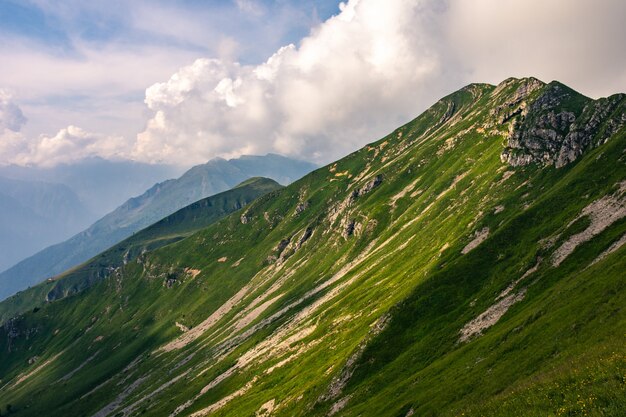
(373, 66)
(11, 116)
(356, 76)
(68, 145)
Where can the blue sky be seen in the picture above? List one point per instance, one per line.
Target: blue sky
(56, 25)
(65, 40)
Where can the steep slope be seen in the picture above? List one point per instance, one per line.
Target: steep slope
(34, 215)
(159, 201)
(170, 229)
(426, 274)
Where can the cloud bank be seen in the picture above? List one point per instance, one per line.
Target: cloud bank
(374, 66)
(68, 145)
(359, 74)
(371, 67)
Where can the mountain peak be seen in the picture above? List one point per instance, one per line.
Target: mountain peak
(552, 124)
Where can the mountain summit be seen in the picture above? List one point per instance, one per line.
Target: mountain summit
(469, 263)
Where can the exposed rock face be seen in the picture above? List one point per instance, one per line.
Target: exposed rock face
(302, 207)
(558, 125)
(369, 186)
(305, 236)
(349, 228)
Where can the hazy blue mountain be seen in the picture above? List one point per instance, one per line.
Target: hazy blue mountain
(135, 214)
(34, 215)
(100, 184)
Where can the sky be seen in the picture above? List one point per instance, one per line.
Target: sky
(182, 81)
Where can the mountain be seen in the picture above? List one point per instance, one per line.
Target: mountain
(159, 201)
(171, 229)
(469, 263)
(34, 215)
(100, 185)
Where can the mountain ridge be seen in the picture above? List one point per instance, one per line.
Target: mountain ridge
(136, 213)
(419, 275)
(170, 229)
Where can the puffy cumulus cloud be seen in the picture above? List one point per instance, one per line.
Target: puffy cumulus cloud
(356, 76)
(373, 66)
(11, 116)
(68, 145)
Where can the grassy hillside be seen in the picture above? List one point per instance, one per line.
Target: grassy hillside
(170, 229)
(448, 269)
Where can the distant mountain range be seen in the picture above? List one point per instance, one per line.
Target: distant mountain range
(35, 214)
(135, 214)
(101, 185)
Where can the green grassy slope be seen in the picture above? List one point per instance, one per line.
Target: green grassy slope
(136, 213)
(420, 275)
(170, 229)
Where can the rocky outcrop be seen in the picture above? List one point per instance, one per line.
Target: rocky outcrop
(369, 186)
(557, 126)
(302, 206)
(348, 229)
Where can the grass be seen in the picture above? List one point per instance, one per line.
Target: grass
(556, 351)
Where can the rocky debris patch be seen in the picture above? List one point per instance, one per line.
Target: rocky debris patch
(24, 376)
(302, 206)
(490, 316)
(171, 280)
(348, 229)
(614, 247)
(409, 188)
(479, 237)
(602, 214)
(339, 405)
(308, 232)
(109, 408)
(266, 409)
(526, 274)
(190, 336)
(221, 403)
(182, 327)
(282, 245)
(192, 272)
(338, 383)
(369, 186)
